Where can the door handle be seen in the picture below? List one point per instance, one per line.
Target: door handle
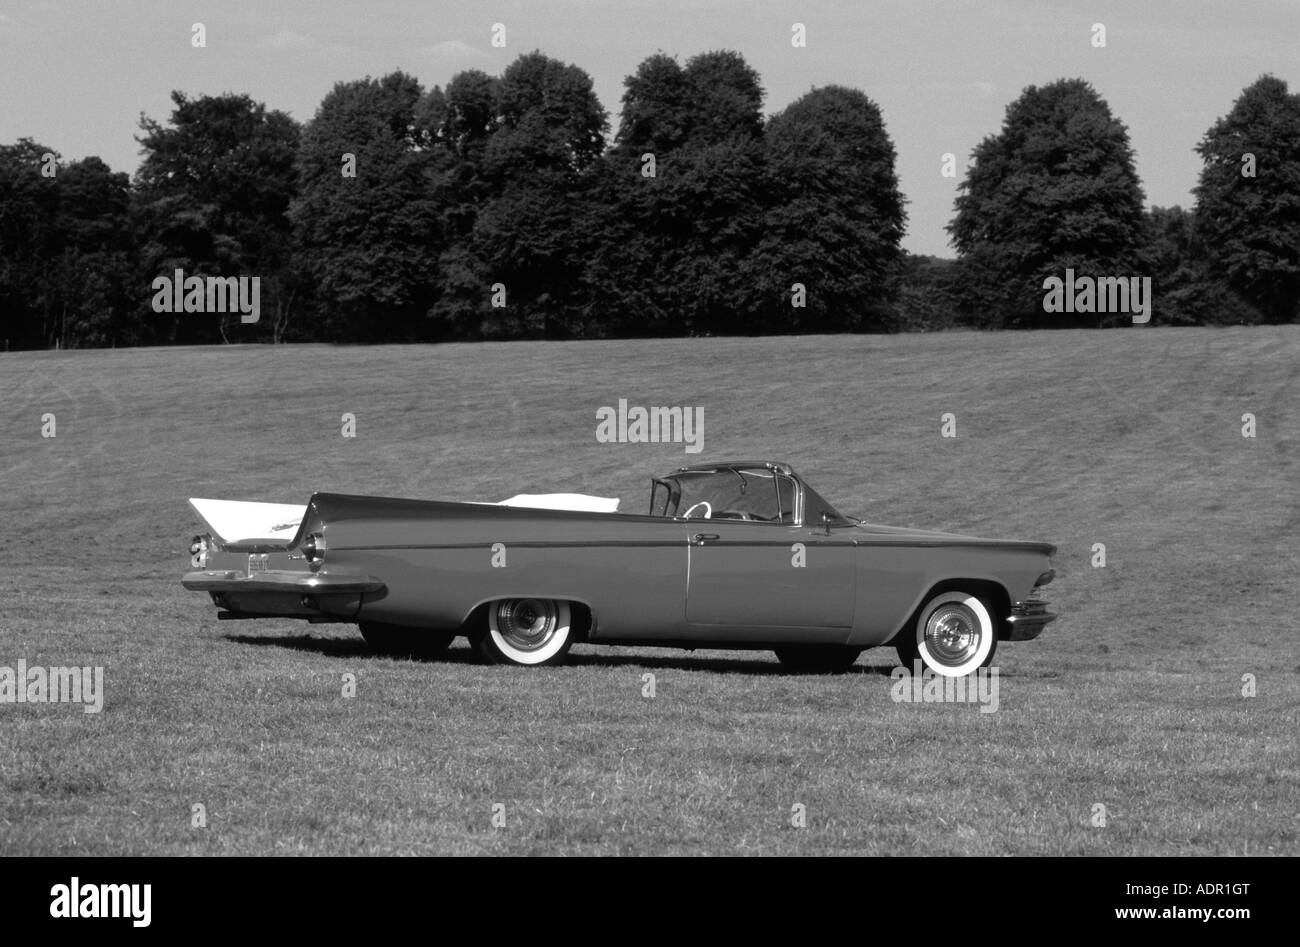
(701, 538)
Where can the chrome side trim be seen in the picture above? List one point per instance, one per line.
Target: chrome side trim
(273, 581)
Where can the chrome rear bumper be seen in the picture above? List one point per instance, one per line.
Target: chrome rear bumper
(323, 583)
(1027, 620)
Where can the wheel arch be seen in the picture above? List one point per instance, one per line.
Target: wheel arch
(580, 614)
(992, 592)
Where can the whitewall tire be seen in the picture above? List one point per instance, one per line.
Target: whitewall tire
(954, 635)
(527, 631)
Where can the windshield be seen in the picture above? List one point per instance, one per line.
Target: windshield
(757, 494)
(739, 492)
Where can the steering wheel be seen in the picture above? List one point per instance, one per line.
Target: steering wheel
(708, 510)
(735, 515)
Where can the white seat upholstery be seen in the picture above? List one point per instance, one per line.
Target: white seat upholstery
(578, 502)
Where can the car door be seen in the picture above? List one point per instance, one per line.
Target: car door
(746, 578)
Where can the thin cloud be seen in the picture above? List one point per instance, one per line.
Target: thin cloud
(455, 52)
(288, 39)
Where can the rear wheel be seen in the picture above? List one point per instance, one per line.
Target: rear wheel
(817, 658)
(953, 636)
(528, 631)
(400, 641)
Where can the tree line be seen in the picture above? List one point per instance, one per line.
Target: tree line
(498, 208)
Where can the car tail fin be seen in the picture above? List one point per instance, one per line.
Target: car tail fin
(243, 521)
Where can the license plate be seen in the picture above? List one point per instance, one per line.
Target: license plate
(257, 562)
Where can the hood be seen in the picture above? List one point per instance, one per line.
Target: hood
(904, 534)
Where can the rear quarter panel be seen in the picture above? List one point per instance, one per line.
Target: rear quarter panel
(440, 561)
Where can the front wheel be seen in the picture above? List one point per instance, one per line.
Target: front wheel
(401, 642)
(954, 636)
(817, 658)
(527, 631)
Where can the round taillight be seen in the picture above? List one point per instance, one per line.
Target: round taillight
(199, 552)
(313, 549)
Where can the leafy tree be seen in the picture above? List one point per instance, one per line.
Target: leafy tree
(673, 255)
(708, 218)
(926, 299)
(715, 97)
(28, 244)
(656, 113)
(629, 285)
(836, 216)
(1185, 290)
(537, 168)
(1249, 222)
(625, 287)
(213, 193)
(456, 124)
(97, 287)
(1054, 189)
(370, 242)
(550, 120)
(66, 274)
(725, 98)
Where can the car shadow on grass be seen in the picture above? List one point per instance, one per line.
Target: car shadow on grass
(748, 664)
(603, 658)
(343, 648)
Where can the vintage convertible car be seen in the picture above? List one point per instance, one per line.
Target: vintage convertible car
(730, 555)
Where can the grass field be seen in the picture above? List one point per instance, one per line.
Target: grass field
(1132, 700)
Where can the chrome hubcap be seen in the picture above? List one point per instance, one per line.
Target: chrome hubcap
(952, 635)
(527, 624)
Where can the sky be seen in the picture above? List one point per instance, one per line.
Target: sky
(76, 76)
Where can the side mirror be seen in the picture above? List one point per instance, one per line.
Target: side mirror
(826, 522)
